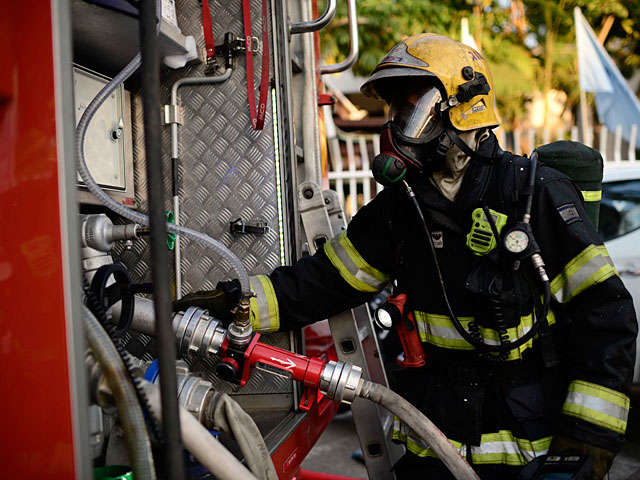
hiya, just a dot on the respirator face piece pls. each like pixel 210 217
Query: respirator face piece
pixel 412 137
pixel 414 117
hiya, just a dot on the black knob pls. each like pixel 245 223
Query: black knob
pixel 227 369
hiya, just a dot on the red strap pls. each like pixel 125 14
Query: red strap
pixel 207 29
pixel 257 118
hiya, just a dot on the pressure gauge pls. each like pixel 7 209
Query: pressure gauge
pixel 516 241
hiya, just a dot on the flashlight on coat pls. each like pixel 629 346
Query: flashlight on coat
pixel 392 314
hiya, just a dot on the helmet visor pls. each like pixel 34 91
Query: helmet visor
pixel 414 117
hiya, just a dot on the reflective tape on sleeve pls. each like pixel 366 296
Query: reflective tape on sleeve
pixel 264 314
pixel 591 266
pixel 592 195
pixel 598 405
pixel 505 449
pixel 352 267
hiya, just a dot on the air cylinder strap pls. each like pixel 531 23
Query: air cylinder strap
pixel 207 29
pixel 257 117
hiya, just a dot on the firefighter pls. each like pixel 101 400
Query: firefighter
pixel 566 389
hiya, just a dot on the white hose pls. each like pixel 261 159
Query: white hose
pixel 420 424
pixel 202 445
pixel 137 217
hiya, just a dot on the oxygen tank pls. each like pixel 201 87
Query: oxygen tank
pixel 583 164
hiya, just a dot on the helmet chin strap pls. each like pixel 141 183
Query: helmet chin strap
pixel 455 138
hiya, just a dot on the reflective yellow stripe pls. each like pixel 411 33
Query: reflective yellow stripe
pixel 264 314
pixel 438 330
pixel 501 448
pixel 597 404
pixel 506 449
pixel 352 267
pixel 415 444
pixel 590 267
pixel 592 195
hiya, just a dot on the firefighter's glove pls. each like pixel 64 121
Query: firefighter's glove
pixel 219 302
pixel 602 458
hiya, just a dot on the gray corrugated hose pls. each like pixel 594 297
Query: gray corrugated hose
pixel 224 414
pixel 137 439
pixel 421 425
pixel 202 445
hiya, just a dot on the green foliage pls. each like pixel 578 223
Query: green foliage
pixel 515 74
pixel 517 59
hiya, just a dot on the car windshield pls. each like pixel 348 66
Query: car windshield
pixel 619 208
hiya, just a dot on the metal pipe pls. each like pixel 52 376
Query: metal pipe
pixel 150 80
pixel 353 44
pixel 316 24
pixel 310 133
pixel 175 152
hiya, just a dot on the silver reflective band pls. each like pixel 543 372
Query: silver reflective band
pixel 495 448
pixel 352 267
pixel 596 410
pixel 265 314
pixel 590 267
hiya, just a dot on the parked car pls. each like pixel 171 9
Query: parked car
pixel 620 230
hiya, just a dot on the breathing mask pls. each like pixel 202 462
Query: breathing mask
pixel 414 137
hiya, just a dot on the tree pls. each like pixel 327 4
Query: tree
pixel 552 27
pixel 530 45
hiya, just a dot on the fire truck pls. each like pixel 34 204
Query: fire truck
pixel 152 149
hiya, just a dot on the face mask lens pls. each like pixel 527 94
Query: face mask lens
pixel 414 116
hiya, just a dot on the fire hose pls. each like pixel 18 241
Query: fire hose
pixel 200 335
pixel 197 439
pixel 138 444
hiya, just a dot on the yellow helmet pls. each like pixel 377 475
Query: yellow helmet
pixel 458 68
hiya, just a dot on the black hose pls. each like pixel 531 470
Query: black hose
pixel 150 80
pixel 478 345
pixel 532 182
pixel 98 310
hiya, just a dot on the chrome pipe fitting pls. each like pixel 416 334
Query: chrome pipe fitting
pixel 197 333
pixel 193 391
pixel 340 381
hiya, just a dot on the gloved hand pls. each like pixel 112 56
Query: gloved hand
pixel 602 458
pixel 219 302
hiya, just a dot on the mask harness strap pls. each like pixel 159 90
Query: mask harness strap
pixel 468 90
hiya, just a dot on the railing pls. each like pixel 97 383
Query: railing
pixel 350 156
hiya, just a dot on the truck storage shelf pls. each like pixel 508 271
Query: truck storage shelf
pixel 105 39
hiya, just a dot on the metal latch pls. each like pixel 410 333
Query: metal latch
pixel 239 226
pixel 233 46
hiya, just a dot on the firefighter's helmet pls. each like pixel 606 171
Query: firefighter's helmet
pixel 454 66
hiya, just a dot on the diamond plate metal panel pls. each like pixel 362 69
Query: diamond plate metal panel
pixel 227 171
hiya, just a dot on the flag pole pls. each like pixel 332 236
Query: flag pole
pixel 586 136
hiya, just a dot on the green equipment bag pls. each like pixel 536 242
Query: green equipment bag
pixel 583 164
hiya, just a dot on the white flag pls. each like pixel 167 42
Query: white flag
pixel 616 103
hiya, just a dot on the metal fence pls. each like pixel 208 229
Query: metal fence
pixel 350 156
